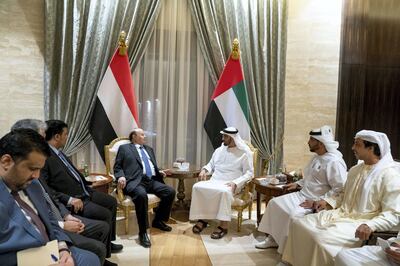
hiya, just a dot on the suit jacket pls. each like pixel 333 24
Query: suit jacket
pixel 61 207
pixel 62 182
pixel 16 232
pixel 128 164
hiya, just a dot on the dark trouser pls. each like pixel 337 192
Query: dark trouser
pixel 84 258
pixel 102 207
pixel 95 229
pixel 89 244
pixel 139 198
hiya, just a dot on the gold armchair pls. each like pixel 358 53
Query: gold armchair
pixel 124 202
pixel 393 232
pixel 244 199
pixel 371 241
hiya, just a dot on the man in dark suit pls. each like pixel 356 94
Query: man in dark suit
pixel 26 220
pixel 71 188
pixel 137 173
pixel 85 233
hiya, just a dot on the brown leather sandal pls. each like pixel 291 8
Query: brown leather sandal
pixel 197 228
pixel 219 234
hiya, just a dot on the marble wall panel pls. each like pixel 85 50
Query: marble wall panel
pixel 311 74
pixel 21 64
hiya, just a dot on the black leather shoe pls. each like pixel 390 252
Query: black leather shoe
pixel 109 263
pixel 116 248
pixel 144 240
pixel 161 225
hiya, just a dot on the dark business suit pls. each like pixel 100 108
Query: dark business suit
pixel 97 205
pixel 128 164
pixel 17 233
pixel 95 236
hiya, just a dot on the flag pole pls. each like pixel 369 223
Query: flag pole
pixel 235 54
pixel 122 43
pixel 229 104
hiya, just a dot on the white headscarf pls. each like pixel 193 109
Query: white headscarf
pixel 379 138
pixel 240 143
pixel 325 135
pixel 386 160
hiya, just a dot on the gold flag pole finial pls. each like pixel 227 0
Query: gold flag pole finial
pixel 122 43
pixel 235 50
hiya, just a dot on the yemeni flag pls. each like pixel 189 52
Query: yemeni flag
pixel 229 105
pixel 115 113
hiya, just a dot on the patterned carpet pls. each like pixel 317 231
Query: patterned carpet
pixel 238 248
pixel 233 249
pixel 133 253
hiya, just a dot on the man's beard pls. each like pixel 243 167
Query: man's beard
pixel 312 148
pixel 24 185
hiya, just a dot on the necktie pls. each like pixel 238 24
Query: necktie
pixel 145 162
pixel 63 158
pixel 53 207
pixel 35 218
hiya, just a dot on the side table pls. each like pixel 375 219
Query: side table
pixel 181 175
pixel 269 191
pixel 99 185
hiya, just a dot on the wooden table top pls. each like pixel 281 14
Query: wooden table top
pixel 97 183
pixel 258 182
pixel 192 172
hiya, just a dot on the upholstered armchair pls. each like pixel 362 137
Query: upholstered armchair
pixel 393 232
pixel 124 202
pixel 383 234
pixel 244 199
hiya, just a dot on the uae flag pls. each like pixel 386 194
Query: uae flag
pixel 115 113
pixel 229 105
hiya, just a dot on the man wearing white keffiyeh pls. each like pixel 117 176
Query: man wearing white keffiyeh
pixel 323 178
pixel 231 166
pixel 370 202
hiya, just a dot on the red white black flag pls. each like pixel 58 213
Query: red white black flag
pixel 115 113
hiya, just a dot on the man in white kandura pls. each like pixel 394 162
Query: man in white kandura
pixel 231 167
pixel 370 202
pixel 324 178
pixel 370 255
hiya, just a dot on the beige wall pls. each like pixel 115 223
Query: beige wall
pixel 312 64
pixel 311 74
pixel 21 64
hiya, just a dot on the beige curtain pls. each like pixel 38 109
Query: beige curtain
pixel 260 26
pixel 173 88
pixel 80 38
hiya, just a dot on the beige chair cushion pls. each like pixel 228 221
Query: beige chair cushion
pixel 128 200
pixel 151 198
pixel 113 153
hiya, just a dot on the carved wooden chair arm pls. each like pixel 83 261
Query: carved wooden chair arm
pixel 248 187
pixel 120 194
pixel 381 234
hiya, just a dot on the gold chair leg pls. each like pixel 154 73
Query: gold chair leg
pixel 250 209
pixel 240 219
pixel 126 214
